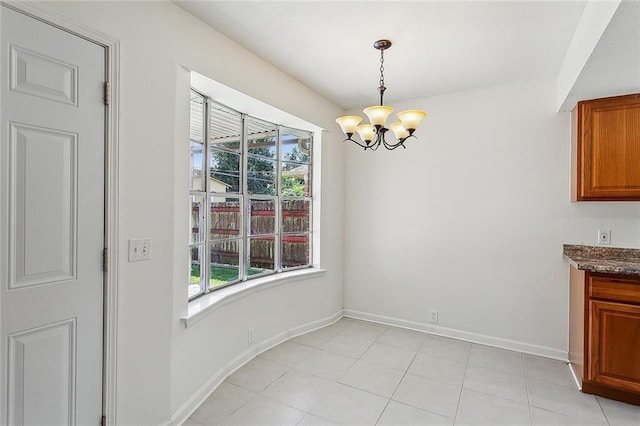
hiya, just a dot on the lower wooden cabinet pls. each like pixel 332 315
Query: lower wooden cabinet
pixel 604 334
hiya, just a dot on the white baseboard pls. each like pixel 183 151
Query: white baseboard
pixel 183 413
pixel 497 342
pixel 575 376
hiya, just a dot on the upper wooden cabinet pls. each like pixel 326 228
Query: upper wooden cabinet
pixel 606 149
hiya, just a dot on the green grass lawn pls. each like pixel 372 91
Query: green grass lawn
pixel 219 274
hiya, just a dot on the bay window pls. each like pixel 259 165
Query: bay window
pixel 250 197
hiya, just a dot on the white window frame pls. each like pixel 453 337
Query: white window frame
pixel 245 198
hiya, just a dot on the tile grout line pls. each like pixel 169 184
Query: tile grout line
pixel 526 387
pixel 604 413
pixel 466 368
pixel 401 379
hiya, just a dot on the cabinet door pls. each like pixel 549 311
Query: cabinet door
pixel 608 149
pixel 614 345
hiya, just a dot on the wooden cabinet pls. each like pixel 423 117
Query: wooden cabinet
pixel 606 149
pixel 604 334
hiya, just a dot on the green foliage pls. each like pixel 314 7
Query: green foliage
pixel 292 186
pixel 261 172
pixel 260 168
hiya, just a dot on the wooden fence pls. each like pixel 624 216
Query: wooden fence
pixel 225 229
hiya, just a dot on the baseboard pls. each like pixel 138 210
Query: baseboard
pixel 575 376
pixel 183 413
pixel 497 342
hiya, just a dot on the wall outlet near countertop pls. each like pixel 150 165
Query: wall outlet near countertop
pixel 604 237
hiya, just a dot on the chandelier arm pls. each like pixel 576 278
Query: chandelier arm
pixel 391 146
pixel 365 146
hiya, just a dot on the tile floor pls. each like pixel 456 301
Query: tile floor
pixel 360 373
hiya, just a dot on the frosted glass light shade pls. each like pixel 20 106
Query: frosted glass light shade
pixel 411 118
pixel 348 123
pixel 398 130
pixel 378 114
pixel 367 132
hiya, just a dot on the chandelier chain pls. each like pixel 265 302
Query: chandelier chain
pixel 382 68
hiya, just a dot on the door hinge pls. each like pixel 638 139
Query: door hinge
pixel 103 421
pixel 107 90
pixel 105 259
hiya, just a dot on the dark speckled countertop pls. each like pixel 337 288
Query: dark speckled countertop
pixel 606 260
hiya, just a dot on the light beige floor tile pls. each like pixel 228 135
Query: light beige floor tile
pixel 540 417
pixel 441 369
pixel 374 378
pixel 480 409
pixel 348 344
pixel 263 411
pixel 223 401
pixel 298 389
pixel 402 414
pixel 339 325
pixel 502 385
pixel 497 359
pixel 326 364
pixel 288 353
pixel 564 400
pixel 311 420
pixel 389 356
pixel 257 374
pixel 619 413
pixel 443 347
pixel 366 329
pixel 430 395
pixel 407 339
pixel 548 370
pixel 346 405
pixel 314 339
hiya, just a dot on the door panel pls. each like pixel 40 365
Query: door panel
pixel 42 371
pixel 51 224
pixel 40 75
pixel 43 179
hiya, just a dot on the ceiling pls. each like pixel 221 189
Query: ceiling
pixel 614 65
pixel 438 46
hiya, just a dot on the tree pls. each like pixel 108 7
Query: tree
pixel 294 185
pixel 261 170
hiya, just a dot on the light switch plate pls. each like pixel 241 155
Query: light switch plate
pixel 139 249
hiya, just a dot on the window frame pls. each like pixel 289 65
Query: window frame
pixel 245 199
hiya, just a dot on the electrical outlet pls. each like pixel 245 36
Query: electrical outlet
pixel 604 237
pixel 433 316
pixel 139 249
pixel 250 336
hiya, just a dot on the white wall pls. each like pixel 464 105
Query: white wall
pixel 160 363
pixel 470 220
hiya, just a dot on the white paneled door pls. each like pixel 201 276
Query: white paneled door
pixel 52 139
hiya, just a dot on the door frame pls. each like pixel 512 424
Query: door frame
pixel 111 47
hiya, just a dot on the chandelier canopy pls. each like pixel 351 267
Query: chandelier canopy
pixel 373 134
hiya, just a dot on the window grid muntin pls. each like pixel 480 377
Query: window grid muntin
pixel 244 240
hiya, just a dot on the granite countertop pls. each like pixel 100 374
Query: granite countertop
pixel 606 260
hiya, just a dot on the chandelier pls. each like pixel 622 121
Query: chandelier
pixel 373 134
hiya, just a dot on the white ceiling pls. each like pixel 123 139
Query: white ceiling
pixel 614 65
pixel 438 46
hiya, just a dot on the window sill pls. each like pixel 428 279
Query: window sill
pixel 202 306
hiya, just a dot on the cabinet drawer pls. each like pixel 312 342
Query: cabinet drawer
pixel 617 289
